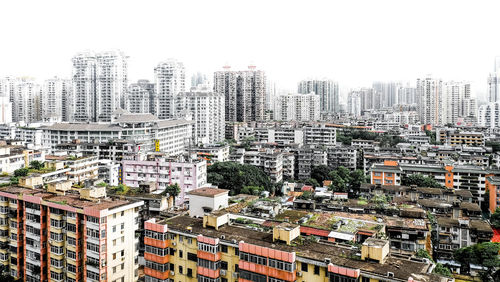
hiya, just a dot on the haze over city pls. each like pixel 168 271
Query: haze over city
pixel 352 42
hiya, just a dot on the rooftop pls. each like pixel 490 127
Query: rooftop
pixel 208 192
pixel 318 251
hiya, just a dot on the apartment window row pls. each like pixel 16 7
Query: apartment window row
pixel 56 223
pixel 340 278
pixel 33 230
pixel 93 247
pixel 56 263
pixel 56 275
pixel 57 250
pixel 272 279
pixel 207 279
pixel 208 248
pixel 33 217
pixel 287 266
pixel 158 266
pixel 255 277
pixel 158 251
pixel 153 279
pixel 156 235
pixel 253 258
pixel 93 233
pixel 208 264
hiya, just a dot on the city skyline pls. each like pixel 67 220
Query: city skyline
pixel 380 44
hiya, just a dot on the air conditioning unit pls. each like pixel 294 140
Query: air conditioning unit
pixel 172 272
pixel 223 272
pixel 390 274
pixel 299 274
pixel 222 237
pixel 235 275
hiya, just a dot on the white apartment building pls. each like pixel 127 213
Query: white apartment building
pixel 489 115
pixel 99 84
pixel 170 80
pixel 5 110
pixel 244 92
pixel 206 109
pixel 25 100
pixel 297 107
pixel 140 97
pixel 169 136
pixel 56 99
pixel 327 90
pixel 431 102
pixel 459 103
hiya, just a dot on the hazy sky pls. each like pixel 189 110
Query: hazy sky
pixel 354 42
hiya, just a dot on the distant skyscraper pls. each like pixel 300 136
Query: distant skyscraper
pixel 489 115
pixel 406 95
pixel 198 79
pixel 6 91
pixel 327 90
pixel 99 84
pixel 494 82
pixel 297 107
pixel 56 99
pixel 387 93
pixel 170 79
pixel 244 92
pixel 26 101
pixel 431 102
pixel 140 97
pixel 361 100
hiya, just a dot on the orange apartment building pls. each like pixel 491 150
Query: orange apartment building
pixel 472 178
pixel 64 235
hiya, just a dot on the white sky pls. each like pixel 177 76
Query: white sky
pixel 354 42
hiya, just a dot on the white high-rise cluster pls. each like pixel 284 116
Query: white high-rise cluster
pixel 441 102
pixel 297 107
pixel 99 84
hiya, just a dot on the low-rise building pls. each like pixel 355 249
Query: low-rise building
pixel 188 173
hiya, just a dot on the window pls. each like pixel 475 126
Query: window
pixel 192 257
pixel 283 265
pixel 71 268
pixel 93 219
pixel 223 265
pixel 207 247
pixel 92 247
pixel 123 226
pixel 180 269
pixel 223 248
pixel 71 254
pixel 56 250
pixel 190 272
pixel 303 267
pixel 253 258
pixel 71 227
pixel 114 228
pixel 252 276
pixel 181 253
pixel 208 264
pixel 316 270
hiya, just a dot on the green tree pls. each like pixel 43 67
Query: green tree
pixel 252 190
pixel 307 195
pixel 420 180
pixel 320 173
pixel 313 182
pixel 482 254
pixel 442 270
pixel 357 178
pixel 338 183
pixel 36 165
pixel 234 176
pixel 173 190
pixel 21 172
pixel 423 253
pixel 495 219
